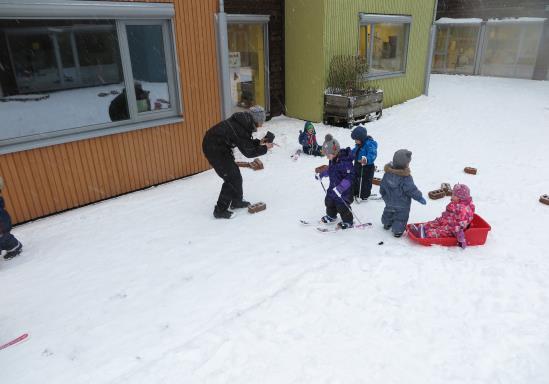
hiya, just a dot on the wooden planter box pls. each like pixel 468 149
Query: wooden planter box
pixel 352 109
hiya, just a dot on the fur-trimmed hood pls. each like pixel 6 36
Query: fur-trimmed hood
pixel 396 171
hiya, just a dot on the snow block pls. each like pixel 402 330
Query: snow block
pixel 257 207
pixel 544 199
pixel 470 170
pixel 437 194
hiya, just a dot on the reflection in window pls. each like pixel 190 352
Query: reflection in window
pixel 148 66
pixel 247 64
pixel 64 76
pixel 384 46
pixel 455 49
pixel 57 75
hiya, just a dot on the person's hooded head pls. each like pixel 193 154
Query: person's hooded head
pixel 359 133
pixel 331 147
pixel 402 158
pixel 258 115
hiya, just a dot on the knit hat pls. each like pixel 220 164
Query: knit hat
pixel 309 127
pixel 402 158
pixel 330 146
pixel 359 133
pixel 258 114
pixel 461 191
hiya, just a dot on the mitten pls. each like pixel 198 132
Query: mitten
pixel 461 239
pixel 422 200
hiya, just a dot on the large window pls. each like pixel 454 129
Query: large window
pixel 67 78
pixel 384 43
pixel 455 49
pixel 511 49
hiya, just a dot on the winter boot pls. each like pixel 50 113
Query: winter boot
pixel 11 253
pixel 387 227
pixel 328 219
pixel 240 204
pixel 343 225
pixel 397 234
pixel 219 214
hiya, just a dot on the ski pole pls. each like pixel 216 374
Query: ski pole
pixel 349 208
pixel 360 187
pixel 321 183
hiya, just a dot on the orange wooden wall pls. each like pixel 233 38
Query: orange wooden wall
pixel 51 179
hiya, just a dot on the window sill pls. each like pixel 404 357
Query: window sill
pixel 66 138
pixel 384 76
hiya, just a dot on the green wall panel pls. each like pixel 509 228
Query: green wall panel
pixel 336 23
pixel 304 57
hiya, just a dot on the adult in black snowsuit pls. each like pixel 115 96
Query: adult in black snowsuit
pixel 218 144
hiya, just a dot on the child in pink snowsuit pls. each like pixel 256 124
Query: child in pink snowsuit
pixel 457 217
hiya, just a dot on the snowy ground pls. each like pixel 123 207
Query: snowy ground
pixel 149 288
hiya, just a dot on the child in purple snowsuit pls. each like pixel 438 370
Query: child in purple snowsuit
pixel 397 189
pixel 9 245
pixel 340 192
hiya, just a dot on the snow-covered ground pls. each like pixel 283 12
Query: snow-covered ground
pixel 150 288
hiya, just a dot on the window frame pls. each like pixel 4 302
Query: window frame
pixel 365 20
pixel 123 14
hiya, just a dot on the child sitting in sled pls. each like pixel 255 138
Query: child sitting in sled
pixel 340 192
pixel 453 221
pixel 307 138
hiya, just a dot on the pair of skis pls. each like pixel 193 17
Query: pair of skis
pixel 328 228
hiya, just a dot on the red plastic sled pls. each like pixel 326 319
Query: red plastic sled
pixel 475 235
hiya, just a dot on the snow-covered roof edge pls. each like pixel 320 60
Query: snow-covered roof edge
pixel 447 20
pixel 518 20
pixel 509 20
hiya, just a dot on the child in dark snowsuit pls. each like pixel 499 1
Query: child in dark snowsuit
pixel 340 192
pixel 307 138
pixel 9 245
pixel 364 155
pixel 397 190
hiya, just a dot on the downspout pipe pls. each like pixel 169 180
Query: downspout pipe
pixel 223 60
pixel 430 50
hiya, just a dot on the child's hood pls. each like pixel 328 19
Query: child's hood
pixel 397 171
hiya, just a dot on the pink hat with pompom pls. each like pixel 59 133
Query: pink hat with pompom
pixel 461 191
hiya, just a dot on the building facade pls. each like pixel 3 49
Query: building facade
pixel 99 98
pixel 392 35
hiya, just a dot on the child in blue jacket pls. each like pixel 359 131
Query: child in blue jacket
pixel 364 155
pixel 340 192
pixel 397 189
pixel 9 245
pixel 307 138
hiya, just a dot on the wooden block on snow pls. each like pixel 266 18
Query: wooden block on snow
pixel 257 207
pixel 376 181
pixel 544 199
pixel 447 188
pixel 437 194
pixel 470 170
